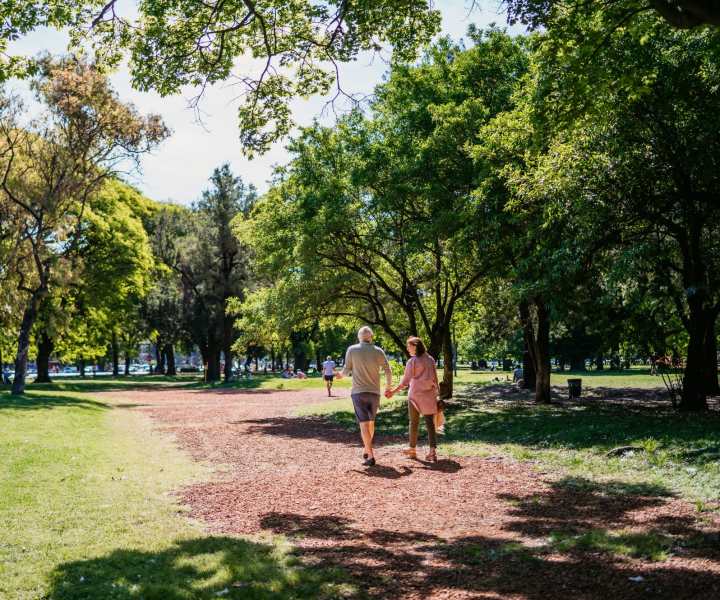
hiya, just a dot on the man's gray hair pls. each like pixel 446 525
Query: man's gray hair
pixel 365 334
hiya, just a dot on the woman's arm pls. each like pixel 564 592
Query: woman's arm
pixel 407 376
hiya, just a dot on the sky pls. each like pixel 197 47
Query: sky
pixel 178 170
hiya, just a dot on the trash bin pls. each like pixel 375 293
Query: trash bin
pixel 574 388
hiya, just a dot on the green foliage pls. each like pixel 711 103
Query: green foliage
pixel 54 171
pixel 294 48
pixel 374 219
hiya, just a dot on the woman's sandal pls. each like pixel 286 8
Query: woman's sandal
pixel 431 456
pixel 410 452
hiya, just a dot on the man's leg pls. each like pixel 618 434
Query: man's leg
pixel 367 431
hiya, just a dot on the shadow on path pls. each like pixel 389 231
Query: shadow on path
pixel 557 545
pixel 312 428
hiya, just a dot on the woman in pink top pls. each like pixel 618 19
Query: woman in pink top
pixel 421 377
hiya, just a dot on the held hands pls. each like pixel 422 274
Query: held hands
pixel 389 392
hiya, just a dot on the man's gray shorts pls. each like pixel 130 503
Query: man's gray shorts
pixel 365 405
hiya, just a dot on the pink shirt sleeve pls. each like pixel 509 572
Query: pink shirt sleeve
pixel 408 375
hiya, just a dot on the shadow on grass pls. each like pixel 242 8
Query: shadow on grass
pixel 211 567
pixel 502 415
pixel 37 401
pixel 565 542
pixel 607 373
pixel 106 383
pixel 593 424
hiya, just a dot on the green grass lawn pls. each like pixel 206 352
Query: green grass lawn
pixel 635 378
pixel 86 511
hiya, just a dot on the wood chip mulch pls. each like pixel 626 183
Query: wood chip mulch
pixel 460 528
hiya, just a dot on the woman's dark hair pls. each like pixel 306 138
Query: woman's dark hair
pixel 418 343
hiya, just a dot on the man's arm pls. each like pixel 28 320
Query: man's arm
pixel 388 372
pixel 347 367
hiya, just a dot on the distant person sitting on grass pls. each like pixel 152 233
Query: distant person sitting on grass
pixel 300 374
pixel 364 361
pixel 328 371
pixel 287 373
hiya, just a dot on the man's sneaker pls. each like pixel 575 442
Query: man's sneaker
pixel 369 462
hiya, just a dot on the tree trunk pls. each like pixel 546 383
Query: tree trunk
pixel 127 364
pixel 529 372
pixel 23 348
pixel 213 363
pixel 529 376
pixel 115 354
pixel 159 358
pixel 272 359
pixel 45 347
pixel 694 396
pixel 542 364
pixel 577 363
pixel 538 330
pixel 82 367
pixel 171 370
pixel 228 370
pixel 299 359
pixel 447 386
pixel 712 386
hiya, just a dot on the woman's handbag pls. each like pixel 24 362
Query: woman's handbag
pixel 439 417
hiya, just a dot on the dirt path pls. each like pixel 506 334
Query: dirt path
pixel 463 528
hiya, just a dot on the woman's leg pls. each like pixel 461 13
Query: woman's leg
pixel 414 424
pixel 430 424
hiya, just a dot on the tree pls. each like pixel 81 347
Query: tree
pixel 83 315
pixel 641 157
pixel 375 219
pixel 212 265
pixel 51 166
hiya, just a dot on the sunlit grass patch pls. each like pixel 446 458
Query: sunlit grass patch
pixel 648 545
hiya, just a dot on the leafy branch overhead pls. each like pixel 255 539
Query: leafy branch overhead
pixel 273 51
pixel 684 14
